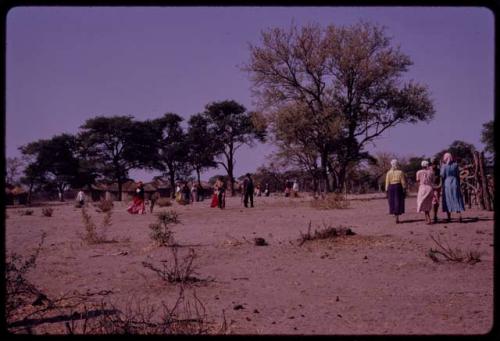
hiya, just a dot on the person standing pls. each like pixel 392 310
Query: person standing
pixel 194 191
pixel 295 189
pixel 137 206
pixel 395 186
pixel 80 198
pixel 425 179
pixel 452 196
pixel 248 189
pixel 221 198
pixel 436 192
pixel 266 190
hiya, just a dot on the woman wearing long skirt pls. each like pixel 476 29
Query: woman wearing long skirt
pixel 425 179
pixel 395 185
pixel 452 196
pixel 137 206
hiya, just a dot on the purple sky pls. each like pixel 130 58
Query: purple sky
pixel 65 65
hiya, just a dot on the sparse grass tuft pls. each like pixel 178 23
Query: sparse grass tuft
pixel 26 212
pixel 47 211
pixel 330 201
pixel 325 233
pixel 163 202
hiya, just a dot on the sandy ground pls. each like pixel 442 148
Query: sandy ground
pixel 379 281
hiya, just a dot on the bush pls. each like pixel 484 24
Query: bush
pixel 163 202
pixel 47 211
pixel 92 236
pixel 452 254
pixel 105 205
pixel 326 233
pixel 160 231
pixel 176 271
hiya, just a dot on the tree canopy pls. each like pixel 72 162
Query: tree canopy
pixel 346 80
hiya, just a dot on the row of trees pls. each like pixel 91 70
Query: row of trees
pixel 109 148
pixel 323 95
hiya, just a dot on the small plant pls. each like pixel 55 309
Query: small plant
pixel 176 271
pixel 163 202
pixel 325 233
pixel 160 231
pixel 47 211
pixel 26 212
pixel 330 201
pixel 260 241
pixel 452 254
pixel 92 236
pixel 105 205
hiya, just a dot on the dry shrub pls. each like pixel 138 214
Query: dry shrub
pixel 452 254
pixel 325 233
pixel 160 231
pixel 47 211
pixel 26 212
pixel 105 205
pixel 330 201
pixel 260 241
pixel 19 292
pixel 92 235
pixel 163 202
pixel 176 271
pixel 187 316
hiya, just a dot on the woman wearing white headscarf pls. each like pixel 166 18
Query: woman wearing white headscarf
pixel 425 179
pixel 395 185
pixel 452 196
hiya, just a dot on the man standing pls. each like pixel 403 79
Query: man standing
pixel 248 190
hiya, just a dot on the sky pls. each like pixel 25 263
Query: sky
pixel 65 65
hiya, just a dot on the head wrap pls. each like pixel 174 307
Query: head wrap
pixel 447 158
pixel 425 163
pixel 394 164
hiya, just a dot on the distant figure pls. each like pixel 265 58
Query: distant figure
pixel 178 194
pixel 295 189
pixel 152 200
pixel 425 179
pixel 395 185
pixel 248 189
pixel 436 193
pixel 200 195
pixel 215 196
pixel 221 197
pixel 194 192
pixel 186 194
pixel 80 198
pixel 137 206
pixel 257 191
pixel 452 196
pixel 266 190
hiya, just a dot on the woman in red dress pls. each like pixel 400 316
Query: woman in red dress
pixel 137 206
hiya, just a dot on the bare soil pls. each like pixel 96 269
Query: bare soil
pixel 379 281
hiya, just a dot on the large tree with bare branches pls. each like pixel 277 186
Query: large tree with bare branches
pixel 346 80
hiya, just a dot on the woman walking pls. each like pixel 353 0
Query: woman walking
pixel 452 196
pixel 137 206
pixel 395 185
pixel 425 179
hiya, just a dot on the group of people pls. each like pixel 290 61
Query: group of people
pixel 292 188
pixel 437 181
pixel 185 194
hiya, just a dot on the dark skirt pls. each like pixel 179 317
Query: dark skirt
pixel 396 197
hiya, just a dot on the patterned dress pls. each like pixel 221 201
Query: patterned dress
pixel 425 177
pixel 452 196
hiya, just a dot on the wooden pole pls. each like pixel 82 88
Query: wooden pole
pixel 477 176
pixel 484 183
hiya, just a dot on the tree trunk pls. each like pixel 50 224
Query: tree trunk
pixel 198 176
pixel 171 177
pixel 231 177
pixel 120 186
pixel 484 183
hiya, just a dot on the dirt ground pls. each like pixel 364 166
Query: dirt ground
pixel 379 281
